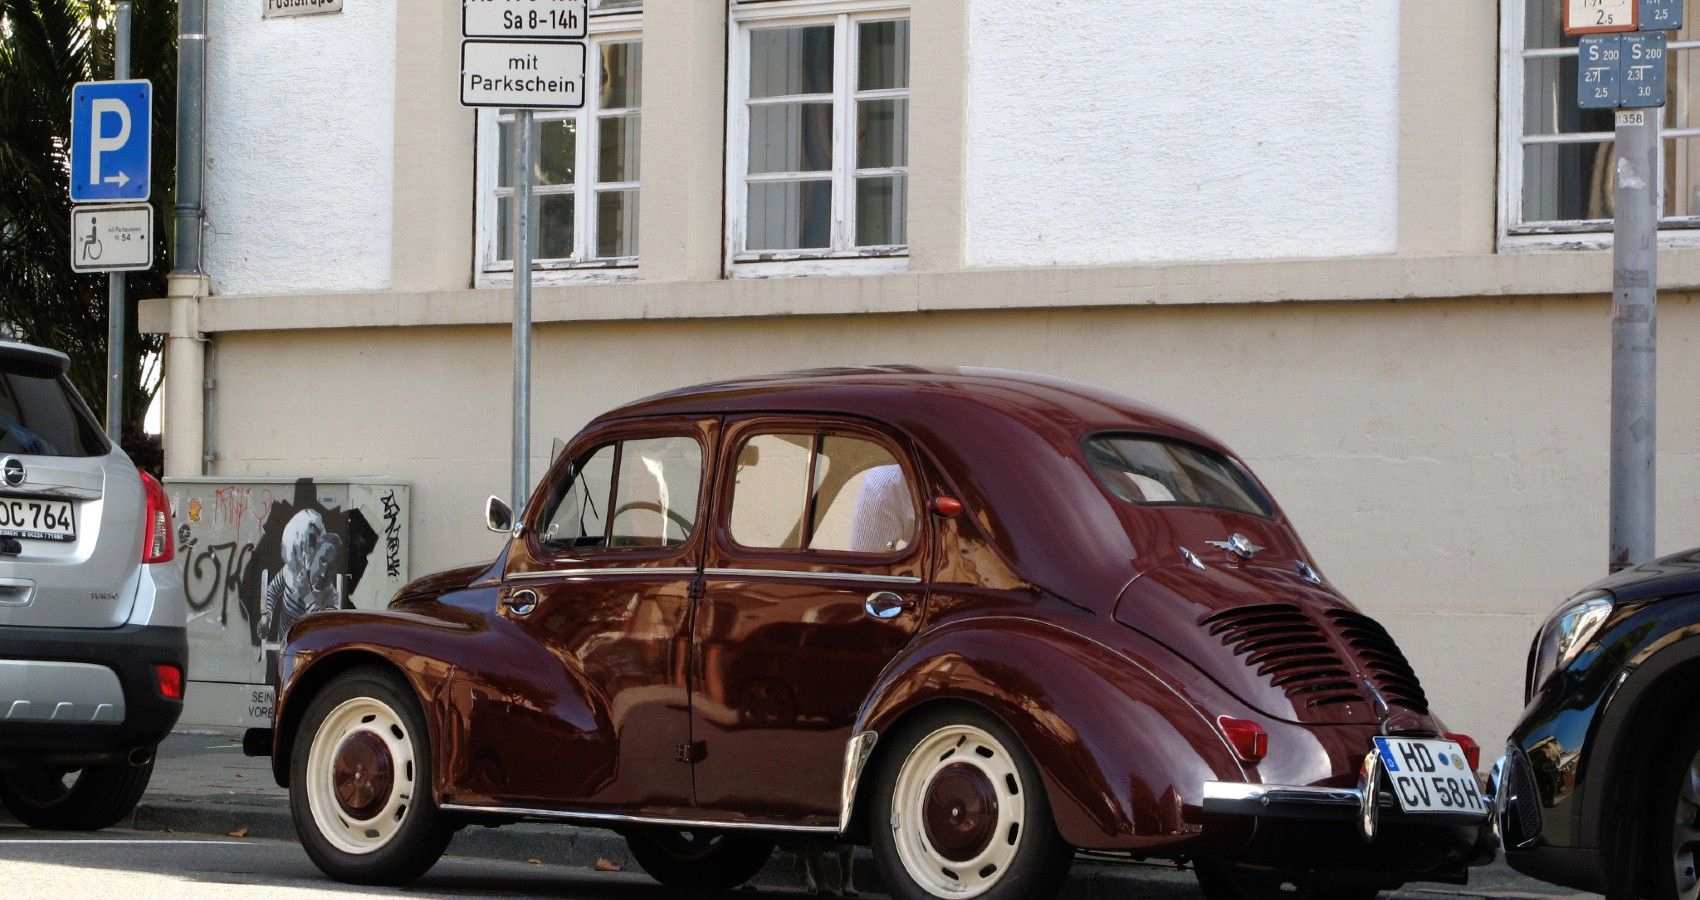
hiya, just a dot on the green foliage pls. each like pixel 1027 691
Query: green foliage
pixel 46 47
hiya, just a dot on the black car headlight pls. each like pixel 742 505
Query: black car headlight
pixel 1566 632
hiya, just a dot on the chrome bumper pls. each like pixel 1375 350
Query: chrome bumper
pixel 1365 804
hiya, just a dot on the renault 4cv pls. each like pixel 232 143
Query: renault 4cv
pixel 981 621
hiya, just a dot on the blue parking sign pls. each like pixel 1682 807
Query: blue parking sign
pixel 111 141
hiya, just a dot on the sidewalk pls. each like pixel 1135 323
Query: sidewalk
pixel 203 784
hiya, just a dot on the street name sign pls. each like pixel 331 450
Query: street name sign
pixel 277 9
pixel 111 238
pixel 525 19
pixel 1600 16
pixel 1661 15
pixel 111 141
pixel 523 74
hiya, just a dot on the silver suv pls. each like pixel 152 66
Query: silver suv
pixel 93 645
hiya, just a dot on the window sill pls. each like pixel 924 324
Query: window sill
pixel 1561 239
pixel 611 272
pixel 784 264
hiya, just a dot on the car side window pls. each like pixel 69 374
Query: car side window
pixel 636 493
pixel 832 493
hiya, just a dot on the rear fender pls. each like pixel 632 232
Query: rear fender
pixel 1121 751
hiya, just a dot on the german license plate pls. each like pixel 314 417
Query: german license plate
pixel 39 520
pixel 1430 776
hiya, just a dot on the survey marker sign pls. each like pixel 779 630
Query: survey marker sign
pixel 111 141
pixel 523 74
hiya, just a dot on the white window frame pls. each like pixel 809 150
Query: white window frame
pixel 613 26
pixel 1514 234
pixel 843 257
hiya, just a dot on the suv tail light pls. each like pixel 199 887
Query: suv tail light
pixel 170 681
pixel 1472 750
pixel 156 524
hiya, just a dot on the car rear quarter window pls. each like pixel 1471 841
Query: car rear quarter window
pixel 41 415
pixel 1154 471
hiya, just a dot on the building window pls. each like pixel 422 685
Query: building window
pixel 1557 160
pixel 585 165
pixel 818 136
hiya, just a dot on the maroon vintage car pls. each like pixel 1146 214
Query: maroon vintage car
pixel 979 620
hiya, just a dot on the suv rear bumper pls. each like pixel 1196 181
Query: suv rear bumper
pixel 129 653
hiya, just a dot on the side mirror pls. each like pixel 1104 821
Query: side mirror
pixel 498 517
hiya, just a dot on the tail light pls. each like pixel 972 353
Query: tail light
pixel 1249 740
pixel 170 681
pixel 156 523
pixel 1472 750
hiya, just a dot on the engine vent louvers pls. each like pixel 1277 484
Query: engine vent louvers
pixel 1286 645
pixel 1375 649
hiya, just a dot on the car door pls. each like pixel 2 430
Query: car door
pixel 814 581
pixel 602 579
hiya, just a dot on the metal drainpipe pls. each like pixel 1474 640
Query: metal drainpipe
pixel 187 345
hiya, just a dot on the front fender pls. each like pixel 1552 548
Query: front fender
pixel 1122 750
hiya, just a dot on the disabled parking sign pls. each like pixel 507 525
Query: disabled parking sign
pixel 111 141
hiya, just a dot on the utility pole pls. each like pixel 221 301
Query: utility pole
pixel 524 145
pixel 115 324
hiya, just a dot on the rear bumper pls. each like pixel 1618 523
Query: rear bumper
pixel 104 665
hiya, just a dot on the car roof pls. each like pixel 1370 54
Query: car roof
pixel 31 355
pixel 893 393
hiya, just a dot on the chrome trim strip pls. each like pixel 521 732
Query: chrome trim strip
pixel 857 751
pixel 1282 801
pixel 618 819
pixel 546 574
pixel 824 576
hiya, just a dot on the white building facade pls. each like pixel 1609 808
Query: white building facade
pixel 1366 244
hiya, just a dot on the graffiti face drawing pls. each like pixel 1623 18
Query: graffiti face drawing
pixel 308 580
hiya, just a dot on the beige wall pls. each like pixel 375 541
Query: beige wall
pixel 1444 460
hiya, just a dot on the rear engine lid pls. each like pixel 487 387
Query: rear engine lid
pixel 1292 649
pixel 71 504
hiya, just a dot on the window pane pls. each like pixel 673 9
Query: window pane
pixel 882 204
pixel 622 75
pixel 1543 25
pixel 616 224
pixel 617 148
pixel 770 490
pixel 882 134
pixel 656 502
pixel 557 151
pixel 1682 177
pixel 791 137
pixel 1152 470
pixel 1549 100
pixel 581 511
pixel 555 227
pixel 1563 182
pixel 862 502
pixel 505 154
pixel 787 61
pixel 790 215
pixel 883 59
pixel 505 229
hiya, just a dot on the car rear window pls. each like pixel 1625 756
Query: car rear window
pixel 1157 471
pixel 41 415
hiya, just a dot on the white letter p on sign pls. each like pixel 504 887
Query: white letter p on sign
pixel 99 142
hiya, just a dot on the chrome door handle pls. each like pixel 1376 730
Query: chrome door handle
pixel 886 605
pixel 521 602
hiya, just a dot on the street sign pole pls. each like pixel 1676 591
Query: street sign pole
pixel 525 147
pixel 1634 331
pixel 115 324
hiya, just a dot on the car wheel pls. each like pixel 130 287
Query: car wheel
pixel 699 860
pixel 959 811
pixel 88 799
pixel 1230 881
pixel 1675 858
pixel 360 782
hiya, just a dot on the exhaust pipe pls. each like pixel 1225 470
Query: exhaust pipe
pixel 141 756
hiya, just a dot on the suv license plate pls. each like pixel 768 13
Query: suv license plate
pixel 1430 776
pixel 40 520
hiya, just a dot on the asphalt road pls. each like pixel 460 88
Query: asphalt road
pixel 169 867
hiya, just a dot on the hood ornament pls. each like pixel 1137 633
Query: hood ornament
pixel 1239 545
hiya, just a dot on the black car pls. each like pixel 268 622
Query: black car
pixel 1599 789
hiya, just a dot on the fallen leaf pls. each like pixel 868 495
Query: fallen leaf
pixel 240 832
pixel 605 865
pixel 240 775
pixel 535 862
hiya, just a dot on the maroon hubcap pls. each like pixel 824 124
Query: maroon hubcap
pixel 961 811
pixel 363 775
